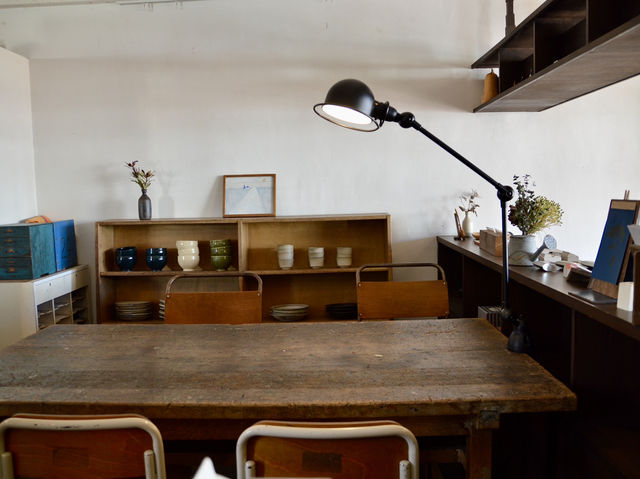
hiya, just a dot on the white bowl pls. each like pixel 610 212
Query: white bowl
pixel 186 244
pixel 316 250
pixel 285 247
pixel 188 262
pixel 343 261
pixel 188 251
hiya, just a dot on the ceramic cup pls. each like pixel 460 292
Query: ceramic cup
pixel 316 256
pixel 188 250
pixel 180 244
pixel 188 262
pixel 343 256
pixel 285 256
pixel 220 262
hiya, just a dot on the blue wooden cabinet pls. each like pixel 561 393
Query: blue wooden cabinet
pixel 27 251
pixel 64 239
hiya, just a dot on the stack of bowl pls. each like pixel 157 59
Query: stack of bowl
pixel 343 256
pixel 220 254
pixel 126 257
pixel 316 256
pixel 156 258
pixel 188 254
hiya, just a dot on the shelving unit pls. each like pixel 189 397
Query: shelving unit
pixel 32 305
pixel 254 242
pixel 563 50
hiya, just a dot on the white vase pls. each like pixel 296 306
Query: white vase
pixel 467 225
pixel 520 249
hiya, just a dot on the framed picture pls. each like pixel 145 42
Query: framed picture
pixel 249 195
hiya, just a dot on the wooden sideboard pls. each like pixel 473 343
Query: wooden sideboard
pixel 254 246
pixel 593 349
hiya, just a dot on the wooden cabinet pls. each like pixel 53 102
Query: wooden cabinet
pixel 563 50
pixel 26 251
pixel 28 306
pixel 254 242
pixel 591 348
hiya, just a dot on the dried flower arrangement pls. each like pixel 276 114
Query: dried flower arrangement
pixel 469 204
pixel 532 213
pixel 139 176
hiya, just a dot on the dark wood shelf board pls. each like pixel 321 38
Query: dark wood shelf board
pixel 610 59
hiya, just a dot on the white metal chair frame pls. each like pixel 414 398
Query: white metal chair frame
pixel 154 461
pixel 408 468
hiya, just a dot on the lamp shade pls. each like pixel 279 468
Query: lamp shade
pixel 349 103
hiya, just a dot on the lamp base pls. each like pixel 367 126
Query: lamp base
pixel 519 339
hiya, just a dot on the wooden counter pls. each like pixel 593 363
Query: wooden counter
pixel 438 377
pixel 591 348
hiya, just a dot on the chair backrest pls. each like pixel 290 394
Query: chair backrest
pixel 221 307
pixel 340 450
pixel 402 299
pixel 80 447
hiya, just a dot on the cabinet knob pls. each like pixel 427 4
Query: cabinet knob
pixel 11 269
pixel 9 240
pixel 11 250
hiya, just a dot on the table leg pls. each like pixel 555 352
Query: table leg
pixel 479 454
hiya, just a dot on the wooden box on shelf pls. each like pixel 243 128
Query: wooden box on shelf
pixel 254 247
pixel 491 242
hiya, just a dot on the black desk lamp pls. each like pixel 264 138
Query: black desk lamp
pixel 350 103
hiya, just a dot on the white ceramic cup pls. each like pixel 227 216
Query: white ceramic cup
pixel 316 256
pixel 285 256
pixel 343 256
pixel 186 244
pixel 188 262
pixel 188 251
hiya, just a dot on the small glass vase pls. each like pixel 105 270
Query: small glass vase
pixel 144 206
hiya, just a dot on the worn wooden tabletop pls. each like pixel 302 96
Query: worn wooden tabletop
pixel 294 370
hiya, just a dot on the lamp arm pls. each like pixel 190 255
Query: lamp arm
pixel 386 112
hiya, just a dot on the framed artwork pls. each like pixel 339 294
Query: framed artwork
pixel 249 195
pixel 612 261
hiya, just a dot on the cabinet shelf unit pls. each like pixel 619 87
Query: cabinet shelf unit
pixel 254 242
pixel 563 50
pixel 32 305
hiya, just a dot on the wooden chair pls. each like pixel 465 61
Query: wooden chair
pixel 80 447
pixel 340 450
pixel 402 299
pixel 222 307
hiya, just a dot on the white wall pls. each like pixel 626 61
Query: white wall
pixel 18 192
pixel 226 86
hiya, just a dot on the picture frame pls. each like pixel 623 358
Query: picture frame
pixel 612 263
pixel 249 195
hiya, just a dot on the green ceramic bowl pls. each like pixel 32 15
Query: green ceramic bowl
pixel 220 250
pixel 220 262
pixel 215 243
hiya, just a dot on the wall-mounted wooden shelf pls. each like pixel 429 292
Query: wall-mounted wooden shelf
pixel 563 50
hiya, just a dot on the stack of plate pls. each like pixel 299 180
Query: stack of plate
pixel 290 312
pixel 134 310
pixel 342 310
pixel 161 310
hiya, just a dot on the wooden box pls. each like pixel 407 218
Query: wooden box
pixel 491 242
pixel 26 251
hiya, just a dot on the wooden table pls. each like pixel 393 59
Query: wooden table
pixel 437 377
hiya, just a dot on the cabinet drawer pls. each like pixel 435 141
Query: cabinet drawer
pixel 12 241
pixel 79 279
pixel 13 231
pixel 15 268
pixel 19 249
pixel 52 288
